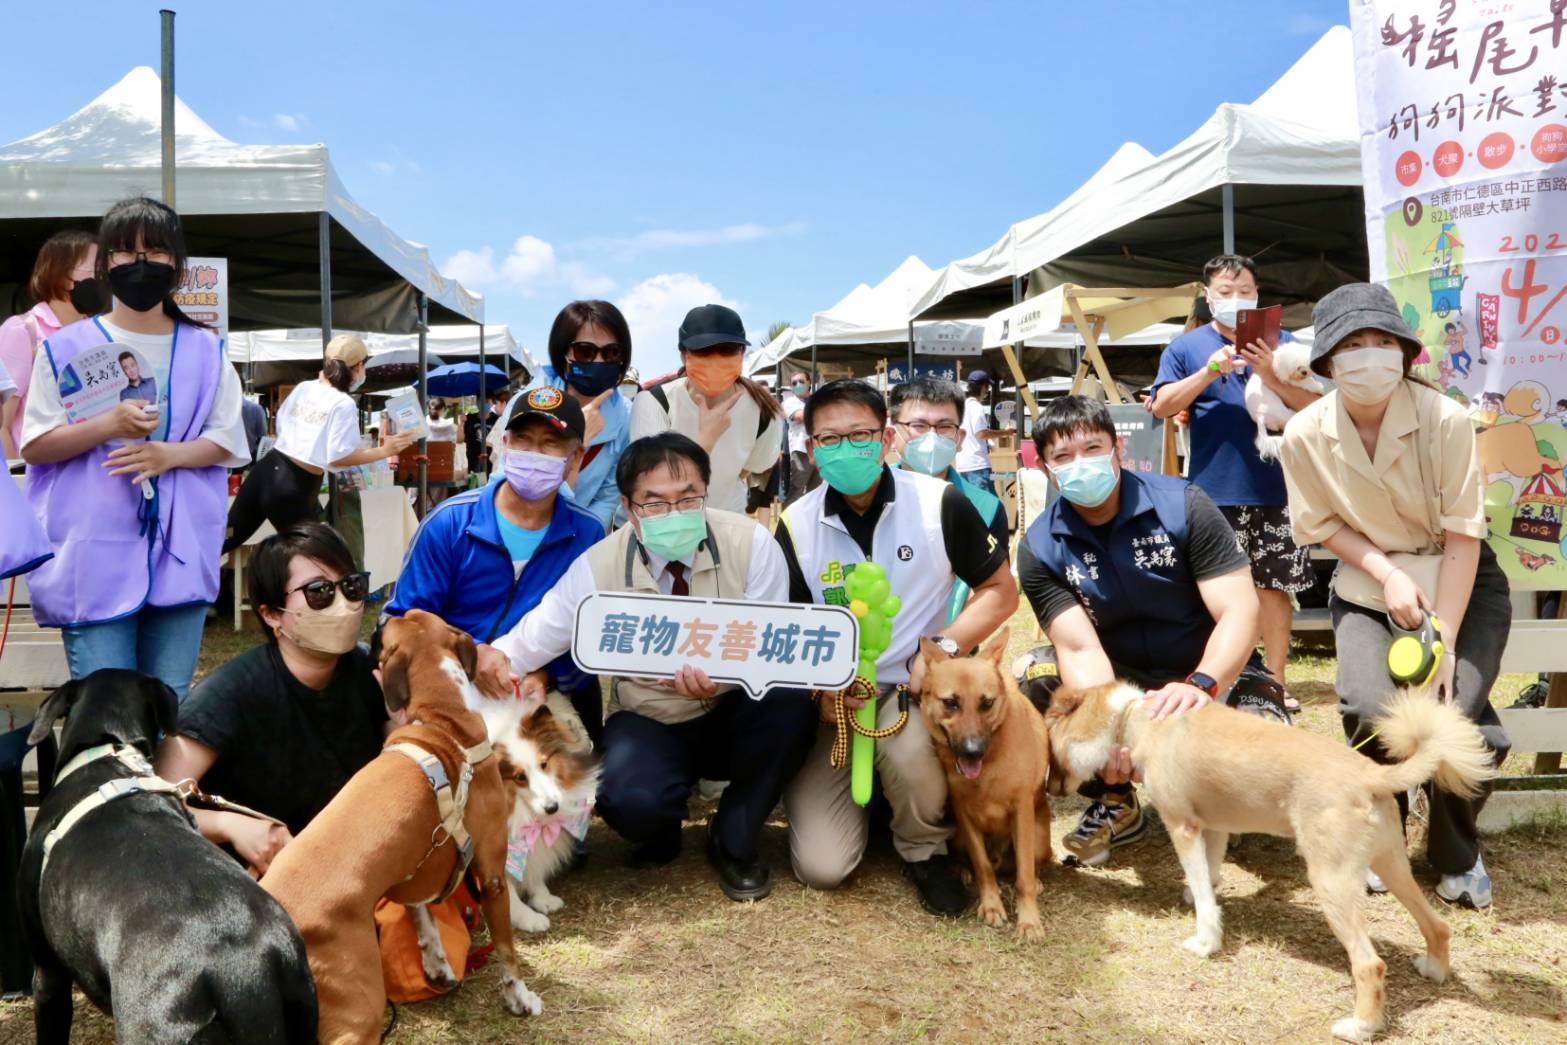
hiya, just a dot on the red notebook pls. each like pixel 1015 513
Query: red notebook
pixel 1258 324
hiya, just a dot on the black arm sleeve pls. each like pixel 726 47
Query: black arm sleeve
pixel 1210 542
pixel 799 591
pixel 973 550
pixel 1047 594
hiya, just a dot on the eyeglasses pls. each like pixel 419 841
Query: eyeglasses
pixel 654 509
pixel 945 429
pixel 588 352
pixel 129 257
pixel 828 440
pixel 318 593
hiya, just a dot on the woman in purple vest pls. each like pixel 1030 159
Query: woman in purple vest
pixel 134 499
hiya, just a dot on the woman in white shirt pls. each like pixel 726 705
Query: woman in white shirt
pixel 317 432
pixel 737 421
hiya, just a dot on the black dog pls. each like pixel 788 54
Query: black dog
pixel 157 925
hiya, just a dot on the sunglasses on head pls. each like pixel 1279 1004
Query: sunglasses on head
pixel 318 593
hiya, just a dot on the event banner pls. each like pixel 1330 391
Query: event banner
pixel 1463 129
pixel 203 294
pixel 757 645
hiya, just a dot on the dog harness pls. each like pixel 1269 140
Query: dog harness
pixel 449 804
pixel 145 782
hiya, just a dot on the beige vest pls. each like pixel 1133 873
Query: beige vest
pixel 722 564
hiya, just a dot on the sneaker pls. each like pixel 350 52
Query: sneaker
pixel 1374 883
pixel 1107 824
pixel 1470 889
pixel 1532 696
pixel 941 890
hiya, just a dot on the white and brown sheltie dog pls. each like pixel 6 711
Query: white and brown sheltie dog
pixel 548 766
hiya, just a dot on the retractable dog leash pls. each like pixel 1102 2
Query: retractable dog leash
pixel 1415 653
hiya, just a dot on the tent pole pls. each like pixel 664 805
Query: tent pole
pixel 814 379
pixel 424 400
pixel 167 42
pixel 1227 198
pixel 911 350
pixel 480 406
pixel 324 244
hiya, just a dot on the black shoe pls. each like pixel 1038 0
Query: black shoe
pixel 739 879
pixel 1532 696
pixel 656 852
pixel 941 890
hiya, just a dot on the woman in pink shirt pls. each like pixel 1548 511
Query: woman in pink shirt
pixel 63 285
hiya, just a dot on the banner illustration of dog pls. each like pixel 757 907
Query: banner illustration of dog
pixel 1463 129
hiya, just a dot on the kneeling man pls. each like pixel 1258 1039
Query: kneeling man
pixel 661 737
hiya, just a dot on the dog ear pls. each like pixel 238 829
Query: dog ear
pixel 1062 703
pixel 996 648
pixel 394 678
pixel 932 653
pixel 57 706
pixel 165 705
pixel 467 652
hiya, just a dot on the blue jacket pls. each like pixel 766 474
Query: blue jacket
pixel 459 569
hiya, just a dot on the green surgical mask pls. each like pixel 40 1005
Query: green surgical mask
pixel 849 468
pixel 674 535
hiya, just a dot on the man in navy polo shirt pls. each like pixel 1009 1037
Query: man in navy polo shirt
pixel 1205 372
pixel 484 558
pixel 1135 577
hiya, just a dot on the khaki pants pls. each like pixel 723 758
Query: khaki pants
pixel 827 831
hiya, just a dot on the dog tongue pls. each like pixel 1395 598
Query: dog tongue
pixel 970 767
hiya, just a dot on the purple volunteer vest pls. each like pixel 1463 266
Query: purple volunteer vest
pixel 25 546
pixel 114 550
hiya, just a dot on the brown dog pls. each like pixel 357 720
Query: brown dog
pixel 375 838
pixel 993 745
pixel 1216 771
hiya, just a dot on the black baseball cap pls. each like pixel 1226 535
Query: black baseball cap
pixel 709 325
pixel 555 406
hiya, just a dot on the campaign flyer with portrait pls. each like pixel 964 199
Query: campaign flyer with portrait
pixel 1463 128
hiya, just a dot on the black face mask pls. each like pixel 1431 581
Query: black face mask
pixel 592 378
pixel 142 285
pixel 87 296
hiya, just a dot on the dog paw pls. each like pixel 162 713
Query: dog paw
pixel 1031 930
pixel 991 911
pixel 438 972
pixel 1353 1029
pixel 526 919
pixel 520 1001
pixel 1201 946
pixel 547 903
pixel 1431 969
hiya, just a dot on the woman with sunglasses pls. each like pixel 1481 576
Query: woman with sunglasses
pixel 282 727
pixel 590 352
pixel 133 498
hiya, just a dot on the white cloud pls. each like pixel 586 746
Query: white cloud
pixel 654 309
pixel 528 267
pixel 397 163
pixel 471 268
pixel 382 166
pixel 1306 25
pixel 292 122
pixel 665 239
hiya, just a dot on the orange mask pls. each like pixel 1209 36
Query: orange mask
pixel 713 375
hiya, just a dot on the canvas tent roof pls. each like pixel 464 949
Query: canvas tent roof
pixel 257 205
pixel 281 356
pixel 1293 157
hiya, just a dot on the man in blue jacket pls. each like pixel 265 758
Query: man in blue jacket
pixel 484 558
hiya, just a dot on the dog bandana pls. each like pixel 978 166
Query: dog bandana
pixel 524 837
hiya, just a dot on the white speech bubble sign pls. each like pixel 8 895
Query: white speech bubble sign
pixel 756 645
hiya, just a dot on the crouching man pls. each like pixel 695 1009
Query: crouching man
pixel 661 737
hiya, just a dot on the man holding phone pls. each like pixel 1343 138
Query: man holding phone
pixel 1205 372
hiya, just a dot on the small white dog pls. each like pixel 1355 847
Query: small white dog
pixel 548 766
pixel 1292 365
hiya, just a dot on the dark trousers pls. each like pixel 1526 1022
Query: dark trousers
pixel 803 475
pixel 1362 638
pixel 588 702
pixel 650 767
pixel 277 491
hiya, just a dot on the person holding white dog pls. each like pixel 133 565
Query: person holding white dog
pixel 1384 473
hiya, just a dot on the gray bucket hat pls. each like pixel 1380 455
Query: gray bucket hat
pixel 1352 307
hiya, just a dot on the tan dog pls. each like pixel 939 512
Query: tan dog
pixel 375 838
pixel 993 745
pixel 1217 771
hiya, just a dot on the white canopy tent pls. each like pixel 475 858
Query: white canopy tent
pixel 279 213
pixel 281 356
pixel 1278 179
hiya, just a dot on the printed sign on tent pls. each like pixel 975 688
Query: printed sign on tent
pixel 756 645
pixel 203 294
pixel 948 338
pixel 898 373
pixel 1463 129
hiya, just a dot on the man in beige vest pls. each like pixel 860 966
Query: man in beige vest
pixel 661 737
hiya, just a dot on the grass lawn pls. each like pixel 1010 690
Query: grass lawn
pixel 663 956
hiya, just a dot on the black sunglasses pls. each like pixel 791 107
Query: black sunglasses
pixel 588 352
pixel 318 593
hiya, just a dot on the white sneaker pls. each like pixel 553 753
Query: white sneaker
pixel 1471 889
pixel 1374 883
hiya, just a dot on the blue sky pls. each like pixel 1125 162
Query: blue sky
pixel 769 156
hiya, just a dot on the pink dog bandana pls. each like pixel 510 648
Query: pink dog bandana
pixel 545 833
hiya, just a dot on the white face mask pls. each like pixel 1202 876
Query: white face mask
pixel 1224 309
pixel 1368 375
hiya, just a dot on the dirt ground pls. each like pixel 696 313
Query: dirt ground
pixel 663 956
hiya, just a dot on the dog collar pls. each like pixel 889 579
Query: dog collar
pixel 132 758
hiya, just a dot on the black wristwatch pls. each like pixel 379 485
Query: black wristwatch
pixel 1207 683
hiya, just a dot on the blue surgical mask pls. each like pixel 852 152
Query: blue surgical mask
pixel 930 453
pixel 1088 481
